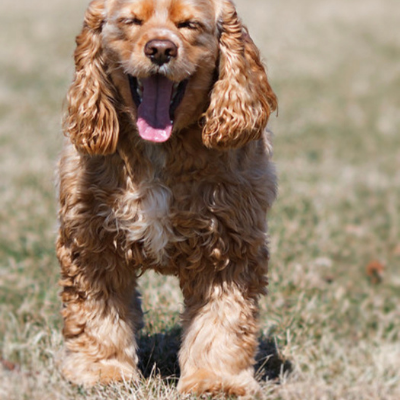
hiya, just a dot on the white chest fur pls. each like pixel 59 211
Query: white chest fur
pixel 143 211
pixel 150 204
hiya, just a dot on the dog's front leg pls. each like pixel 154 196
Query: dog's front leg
pixel 101 314
pixel 220 333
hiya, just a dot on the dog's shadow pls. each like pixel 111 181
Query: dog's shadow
pixel 158 354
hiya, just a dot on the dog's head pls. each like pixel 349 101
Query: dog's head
pixel 168 64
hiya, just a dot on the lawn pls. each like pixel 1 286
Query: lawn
pixel 330 326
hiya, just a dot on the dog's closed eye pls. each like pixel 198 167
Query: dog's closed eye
pixel 189 24
pixel 130 21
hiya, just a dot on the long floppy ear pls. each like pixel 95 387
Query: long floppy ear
pixel 92 120
pixel 241 99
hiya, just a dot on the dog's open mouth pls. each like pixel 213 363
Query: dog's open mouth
pixel 156 99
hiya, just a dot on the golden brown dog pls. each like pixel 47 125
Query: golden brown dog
pixel 166 167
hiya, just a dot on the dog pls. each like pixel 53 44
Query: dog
pixel 166 166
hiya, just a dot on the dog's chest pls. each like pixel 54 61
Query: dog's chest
pixel 149 205
pixel 143 212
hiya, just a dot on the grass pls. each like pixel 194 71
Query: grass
pixel 327 330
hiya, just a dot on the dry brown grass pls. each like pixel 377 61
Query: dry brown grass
pixel 335 67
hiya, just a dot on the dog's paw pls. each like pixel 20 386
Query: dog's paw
pixel 244 386
pixel 80 371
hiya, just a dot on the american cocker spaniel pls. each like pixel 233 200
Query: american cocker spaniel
pixel 166 166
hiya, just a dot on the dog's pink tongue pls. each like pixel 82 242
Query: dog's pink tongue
pixel 154 122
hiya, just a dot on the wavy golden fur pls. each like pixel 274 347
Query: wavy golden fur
pixel 166 166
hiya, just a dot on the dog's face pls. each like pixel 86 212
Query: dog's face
pixel 164 55
pixel 173 63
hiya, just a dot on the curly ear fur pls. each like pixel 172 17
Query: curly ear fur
pixel 92 121
pixel 242 99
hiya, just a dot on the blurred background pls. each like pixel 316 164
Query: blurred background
pixel 333 311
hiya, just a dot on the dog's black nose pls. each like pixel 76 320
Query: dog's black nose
pixel 160 51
